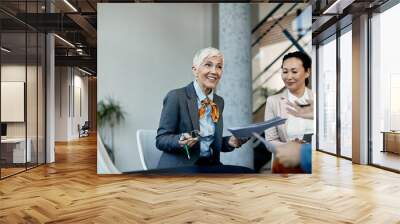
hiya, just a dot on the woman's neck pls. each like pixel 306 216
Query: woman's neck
pixel 205 90
pixel 299 92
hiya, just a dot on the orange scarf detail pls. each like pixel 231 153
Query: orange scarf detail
pixel 214 109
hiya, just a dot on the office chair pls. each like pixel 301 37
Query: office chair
pixel 148 153
pixel 84 130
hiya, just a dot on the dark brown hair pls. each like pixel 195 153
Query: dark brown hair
pixel 303 57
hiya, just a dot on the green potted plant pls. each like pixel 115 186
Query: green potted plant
pixel 109 115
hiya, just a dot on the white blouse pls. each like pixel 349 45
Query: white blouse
pixel 296 126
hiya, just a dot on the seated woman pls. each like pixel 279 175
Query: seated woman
pixel 195 107
pixel 295 103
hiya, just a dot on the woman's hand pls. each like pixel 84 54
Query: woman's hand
pixel 187 139
pixel 289 154
pixel 237 142
pixel 306 112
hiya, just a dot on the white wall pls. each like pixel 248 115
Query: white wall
pixel 68 81
pixel 145 50
pixel 61 103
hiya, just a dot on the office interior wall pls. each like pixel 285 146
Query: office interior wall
pixel 92 99
pixel 144 51
pixel 62 113
pixel 81 103
pixel 71 102
pixel 12 98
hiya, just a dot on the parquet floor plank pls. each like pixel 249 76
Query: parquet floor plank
pixel 70 191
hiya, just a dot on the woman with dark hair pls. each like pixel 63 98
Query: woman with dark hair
pixel 295 103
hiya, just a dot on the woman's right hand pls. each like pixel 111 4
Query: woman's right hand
pixel 296 110
pixel 187 139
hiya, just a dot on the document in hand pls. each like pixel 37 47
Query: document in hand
pixel 270 147
pixel 247 131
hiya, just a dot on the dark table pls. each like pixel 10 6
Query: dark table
pixel 217 169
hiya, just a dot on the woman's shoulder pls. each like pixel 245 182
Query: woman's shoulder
pixel 276 97
pixel 179 92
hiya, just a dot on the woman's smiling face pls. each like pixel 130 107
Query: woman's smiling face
pixel 209 72
pixel 294 74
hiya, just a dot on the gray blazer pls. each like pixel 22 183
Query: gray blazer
pixel 180 115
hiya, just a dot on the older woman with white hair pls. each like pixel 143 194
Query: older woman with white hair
pixel 191 123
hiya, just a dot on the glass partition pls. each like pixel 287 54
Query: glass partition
pixel 346 93
pixel 327 96
pixel 385 89
pixel 23 91
pixel 41 87
pixel 32 95
pixel 14 154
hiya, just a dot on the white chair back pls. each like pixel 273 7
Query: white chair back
pixel 148 152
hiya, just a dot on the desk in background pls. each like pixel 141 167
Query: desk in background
pixel 391 141
pixel 13 150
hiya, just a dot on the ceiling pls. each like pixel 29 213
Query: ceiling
pixel 331 15
pixel 77 25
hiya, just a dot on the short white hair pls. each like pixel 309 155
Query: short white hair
pixel 204 53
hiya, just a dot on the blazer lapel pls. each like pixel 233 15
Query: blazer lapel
pixel 218 129
pixel 282 105
pixel 192 106
pixel 193 111
pixel 218 126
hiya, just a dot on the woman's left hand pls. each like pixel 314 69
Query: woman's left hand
pixel 289 153
pixel 236 142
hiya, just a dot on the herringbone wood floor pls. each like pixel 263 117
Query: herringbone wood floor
pixel 70 191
